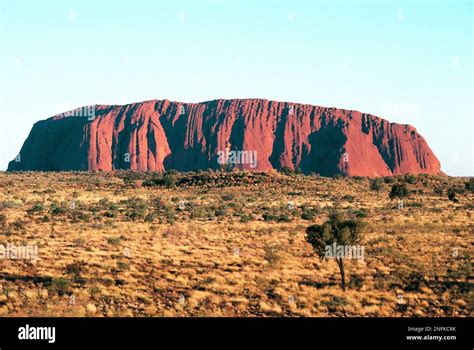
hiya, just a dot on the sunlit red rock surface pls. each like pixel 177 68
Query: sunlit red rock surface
pixel 160 135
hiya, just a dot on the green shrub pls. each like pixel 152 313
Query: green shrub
pixel 438 191
pixel 169 180
pixel 399 191
pixel 160 205
pixel 284 218
pixel 308 214
pixel 136 214
pixel 245 218
pixel 228 197
pixel 114 240
pixel 55 210
pixel 38 207
pixel 199 213
pixel 269 217
pixel 136 208
pixel 389 179
pixel 452 194
pixel 411 179
pixel 60 286
pixel 413 281
pixel 75 270
pixel 3 220
pixel 361 213
pixel 221 211
pixel 470 184
pixel 356 282
pixel 150 217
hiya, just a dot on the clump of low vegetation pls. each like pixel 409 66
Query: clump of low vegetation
pixel 376 184
pixel 452 195
pixel 399 190
pixel 470 184
pixel 272 255
pixel 137 208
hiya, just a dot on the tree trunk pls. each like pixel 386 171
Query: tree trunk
pixel 340 263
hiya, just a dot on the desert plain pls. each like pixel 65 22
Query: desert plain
pixel 207 243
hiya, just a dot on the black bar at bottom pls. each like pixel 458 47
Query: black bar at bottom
pixel 88 333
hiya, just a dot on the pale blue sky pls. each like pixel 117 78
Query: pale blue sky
pixel 409 62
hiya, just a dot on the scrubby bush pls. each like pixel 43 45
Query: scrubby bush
pixel 74 269
pixel 452 195
pixel 150 217
pixel 270 217
pixel 287 171
pixel 348 198
pixel 360 213
pixel 114 240
pixel 376 184
pixel 470 184
pixel 220 211
pixel 137 208
pixel 399 190
pixel 284 218
pixel 245 218
pixel 160 204
pixel 58 211
pixel 389 179
pixel 169 180
pixel 199 213
pixel 356 282
pixel 3 220
pixel 37 207
pixel 308 213
pixel 228 197
pixel 135 215
pixel 271 254
pixel 77 215
pixel 438 191
pixel 60 286
pixel 411 179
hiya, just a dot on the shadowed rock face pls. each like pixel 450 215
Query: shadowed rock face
pixel 161 135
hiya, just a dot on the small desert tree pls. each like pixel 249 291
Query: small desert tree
pixel 399 190
pixel 335 231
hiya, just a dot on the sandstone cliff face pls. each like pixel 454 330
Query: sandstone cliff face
pixel 161 135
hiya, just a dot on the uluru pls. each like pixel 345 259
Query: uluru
pixel 250 134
